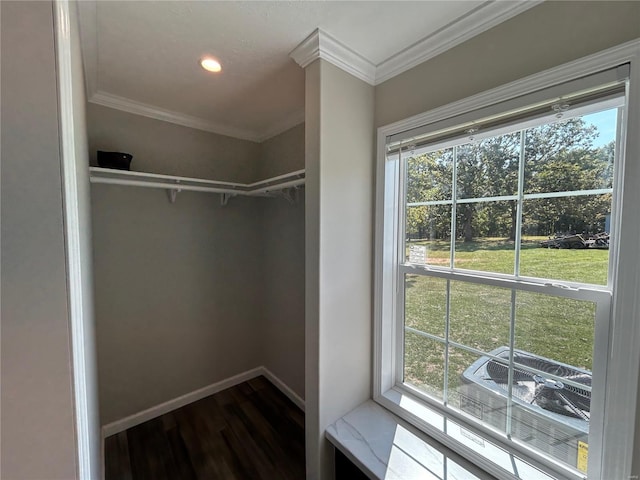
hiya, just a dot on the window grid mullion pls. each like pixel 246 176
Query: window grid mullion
pixel 400 254
pixel 454 194
pixel 526 196
pixel 593 293
pixel 446 344
pixel 452 248
pixel 518 245
pixel 504 361
pixel 512 325
pixel 520 205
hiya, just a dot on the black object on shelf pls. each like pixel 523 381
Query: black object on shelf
pixel 117 160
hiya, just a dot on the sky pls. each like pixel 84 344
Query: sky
pixel 605 122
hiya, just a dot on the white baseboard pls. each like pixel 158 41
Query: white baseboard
pixel 166 407
pixel 284 388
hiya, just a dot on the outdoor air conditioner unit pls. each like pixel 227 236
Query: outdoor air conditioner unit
pixel 547 414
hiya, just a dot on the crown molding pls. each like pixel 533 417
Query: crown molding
pixel 137 108
pixel 317 45
pixel 483 18
pixel 321 45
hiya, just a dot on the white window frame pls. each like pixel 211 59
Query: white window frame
pixel 611 448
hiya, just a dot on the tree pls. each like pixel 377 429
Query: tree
pixel 488 169
pixel 558 157
pixel 429 178
pixel 571 170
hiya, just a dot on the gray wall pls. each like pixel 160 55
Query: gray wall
pixel 37 399
pixel 282 238
pixel 281 154
pixel 545 36
pixel 167 148
pixel 178 294
pixel 178 286
pixel 339 230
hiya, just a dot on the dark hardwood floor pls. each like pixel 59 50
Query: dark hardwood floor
pixel 250 431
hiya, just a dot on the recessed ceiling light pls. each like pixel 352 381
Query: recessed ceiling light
pixel 210 64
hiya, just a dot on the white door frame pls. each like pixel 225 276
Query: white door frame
pixel 89 461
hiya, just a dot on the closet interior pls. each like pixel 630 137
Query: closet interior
pixel 198 264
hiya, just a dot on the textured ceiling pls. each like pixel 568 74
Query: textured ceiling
pixel 148 52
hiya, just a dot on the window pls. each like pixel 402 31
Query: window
pixel 498 270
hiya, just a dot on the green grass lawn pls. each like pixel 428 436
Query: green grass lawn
pixel 553 327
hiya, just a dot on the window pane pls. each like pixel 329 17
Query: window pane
pixel 479 315
pixel 469 391
pixel 488 168
pixel 426 304
pixel 429 176
pixel 573 232
pixel 546 415
pixel 429 235
pixel 576 154
pixel 517 361
pixel 484 236
pixel 561 329
pixel 555 435
pixel 424 363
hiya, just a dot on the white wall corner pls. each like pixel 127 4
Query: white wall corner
pixel 321 45
pixel 488 15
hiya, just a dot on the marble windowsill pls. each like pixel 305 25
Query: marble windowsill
pixel 385 447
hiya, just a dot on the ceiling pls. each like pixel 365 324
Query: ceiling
pixel 142 56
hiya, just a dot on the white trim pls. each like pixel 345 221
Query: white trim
pixel 62 34
pixel 178 402
pixel 284 388
pixel 322 45
pixel 103 465
pixel 319 44
pixel 460 30
pixel 621 414
pixel 150 111
pixel 612 455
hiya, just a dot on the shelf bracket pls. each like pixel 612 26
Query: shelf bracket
pixel 291 195
pixel 173 193
pixel 224 198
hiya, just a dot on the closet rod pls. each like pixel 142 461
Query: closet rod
pixel 166 186
pixel 297 173
pixel 98 172
pixel 277 186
